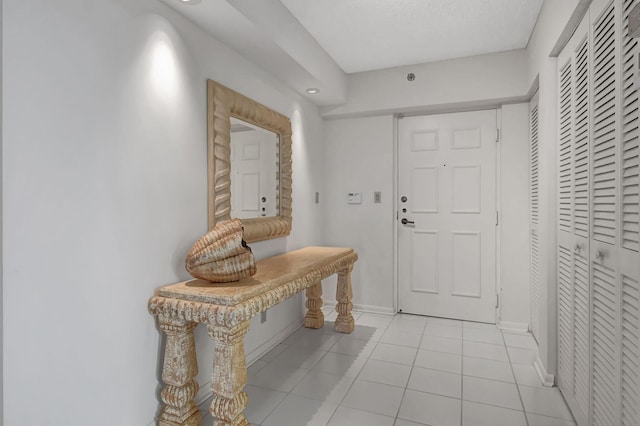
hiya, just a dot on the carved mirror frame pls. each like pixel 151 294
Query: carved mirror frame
pixel 222 104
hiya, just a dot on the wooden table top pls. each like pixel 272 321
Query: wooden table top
pixel 271 273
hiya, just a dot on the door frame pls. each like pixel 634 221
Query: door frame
pixel 396 204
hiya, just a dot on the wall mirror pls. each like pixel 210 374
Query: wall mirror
pixel 249 164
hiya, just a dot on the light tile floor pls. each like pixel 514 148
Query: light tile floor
pixel 403 370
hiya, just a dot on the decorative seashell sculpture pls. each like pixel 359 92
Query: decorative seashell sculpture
pixel 221 255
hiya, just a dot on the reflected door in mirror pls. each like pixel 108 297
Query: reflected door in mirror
pixel 254 171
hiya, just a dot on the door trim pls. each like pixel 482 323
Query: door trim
pixel 396 207
pixel 396 189
pixel 498 183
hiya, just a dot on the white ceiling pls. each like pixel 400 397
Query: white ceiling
pixel 266 33
pixel 316 43
pixel 364 35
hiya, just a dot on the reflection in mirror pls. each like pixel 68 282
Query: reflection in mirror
pixel 254 171
pixel 223 104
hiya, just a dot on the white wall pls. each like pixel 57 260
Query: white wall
pixel 455 85
pixel 460 84
pixel 104 193
pixel 513 189
pixel 475 82
pixel 359 158
pixel 553 18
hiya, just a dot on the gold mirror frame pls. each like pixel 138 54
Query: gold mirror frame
pixel 222 104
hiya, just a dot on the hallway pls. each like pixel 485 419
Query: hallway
pixel 108 150
pixel 405 371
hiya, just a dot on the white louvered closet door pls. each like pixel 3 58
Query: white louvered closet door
pixel 629 239
pixel 598 231
pixel 604 208
pixel 573 222
pixel 534 216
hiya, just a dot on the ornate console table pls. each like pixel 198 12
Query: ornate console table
pixel 227 309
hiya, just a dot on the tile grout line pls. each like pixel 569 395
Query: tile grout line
pixel 404 391
pixel 325 354
pixel 423 336
pixel 289 392
pixel 356 378
pixel 512 372
pixel 338 405
pixel 524 410
pixel 296 384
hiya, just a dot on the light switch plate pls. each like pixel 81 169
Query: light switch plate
pixel 354 198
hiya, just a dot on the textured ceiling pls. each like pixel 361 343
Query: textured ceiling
pixel 363 35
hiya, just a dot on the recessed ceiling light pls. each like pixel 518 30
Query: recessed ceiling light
pixel 313 91
pixel 190 1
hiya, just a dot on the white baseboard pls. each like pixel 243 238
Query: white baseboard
pixel 546 378
pixel 370 309
pixel 515 327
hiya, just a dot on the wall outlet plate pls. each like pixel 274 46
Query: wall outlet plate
pixel 354 198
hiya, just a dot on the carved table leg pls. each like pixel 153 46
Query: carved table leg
pixel 229 375
pixel 178 373
pixel 314 317
pixel 344 294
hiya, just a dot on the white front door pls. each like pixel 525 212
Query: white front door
pixel 254 179
pixel 447 190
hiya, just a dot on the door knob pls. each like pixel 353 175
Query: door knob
pixel 404 221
